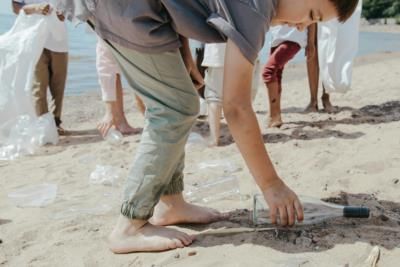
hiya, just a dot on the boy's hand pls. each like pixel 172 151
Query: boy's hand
pixel 283 204
pixel 60 16
pixel 43 9
pixel 193 71
pixel 190 65
pixel 196 76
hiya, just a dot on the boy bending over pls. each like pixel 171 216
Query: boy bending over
pixel 149 40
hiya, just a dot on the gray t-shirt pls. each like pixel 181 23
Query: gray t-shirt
pixel 153 26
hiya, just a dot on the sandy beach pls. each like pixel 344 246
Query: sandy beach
pixel 350 157
pixel 390 27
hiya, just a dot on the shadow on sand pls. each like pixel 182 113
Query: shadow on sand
pixel 79 137
pixel 382 229
pixel 300 130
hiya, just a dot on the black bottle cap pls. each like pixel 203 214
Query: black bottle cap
pixel 356 212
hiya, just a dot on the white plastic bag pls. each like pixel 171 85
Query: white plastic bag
pixel 105 175
pixel 337 48
pixel 27 133
pixel 20 50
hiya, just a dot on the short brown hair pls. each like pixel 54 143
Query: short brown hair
pixel 345 8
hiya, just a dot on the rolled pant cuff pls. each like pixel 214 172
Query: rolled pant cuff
pixel 175 187
pixel 132 212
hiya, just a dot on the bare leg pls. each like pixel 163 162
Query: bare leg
pixel 139 104
pixel 274 93
pixel 312 68
pixel 138 235
pixel 214 117
pixel 120 120
pixel 115 115
pixel 326 102
pixel 173 209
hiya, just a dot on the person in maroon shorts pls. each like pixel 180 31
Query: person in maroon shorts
pixel 286 43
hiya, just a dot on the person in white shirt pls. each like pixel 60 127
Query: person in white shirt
pixel 51 69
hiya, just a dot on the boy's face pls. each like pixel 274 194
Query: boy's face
pixel 302 13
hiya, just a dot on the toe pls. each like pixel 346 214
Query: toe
pixel 171 244
pixel 186 239
pixel 178 243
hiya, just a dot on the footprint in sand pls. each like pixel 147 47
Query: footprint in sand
pixel 373 167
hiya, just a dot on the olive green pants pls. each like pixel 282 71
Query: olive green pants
pixel 50 72
pixel 172 105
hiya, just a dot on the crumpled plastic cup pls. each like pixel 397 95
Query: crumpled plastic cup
pixel 34 195
pixel 114 137
pixel 105 175
pixel 225 187
pixel 225 165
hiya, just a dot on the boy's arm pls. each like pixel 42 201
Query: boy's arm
pixel 246 132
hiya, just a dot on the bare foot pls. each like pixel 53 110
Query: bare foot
pixel 312 107
pixel 139 236
pixel 105 124
pixel 275 122
pixel 175 210
pixel 327 104
pixel 126 129
pixel 61 131
pixel 119 122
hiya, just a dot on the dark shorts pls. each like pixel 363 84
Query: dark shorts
pixel 279 57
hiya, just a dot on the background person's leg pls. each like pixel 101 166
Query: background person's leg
pixel 274 96
pixel 326 102
pixel 271 81
pixel 272 75
pixel 139 104
pixel 214 120
pixel 312 67
pixel 40 83
pixel 121 123
pixel 213 93
pixel 58 77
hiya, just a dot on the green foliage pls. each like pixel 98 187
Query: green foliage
pixel 398 20
pixel 373 9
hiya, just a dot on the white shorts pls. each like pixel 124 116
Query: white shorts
pixel 214 81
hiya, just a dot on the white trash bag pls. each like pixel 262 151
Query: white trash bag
pixel 21 131
pixel 337 48
pixel 26 134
